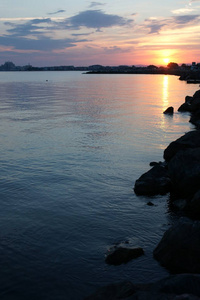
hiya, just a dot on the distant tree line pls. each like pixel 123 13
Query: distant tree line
pixel 172 68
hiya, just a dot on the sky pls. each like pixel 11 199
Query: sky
pixel 107 32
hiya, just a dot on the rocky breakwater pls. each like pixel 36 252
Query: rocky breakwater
pixel 179 249
pixel 179 174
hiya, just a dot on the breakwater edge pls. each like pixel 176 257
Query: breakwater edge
pixel 179 249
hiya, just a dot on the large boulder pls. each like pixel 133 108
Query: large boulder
pixel 189 140
pixel 154 182
pixel 184 172
pixel 195 118
pixel 179 249
pixel 196 94
pixel 122 255
pixel 193 206
pixel 169 111
pixel 184 107
pixel 195 105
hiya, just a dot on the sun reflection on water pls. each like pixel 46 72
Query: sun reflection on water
pixel 165 91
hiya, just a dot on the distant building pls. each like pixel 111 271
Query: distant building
pixel 8 66
pixel 195 66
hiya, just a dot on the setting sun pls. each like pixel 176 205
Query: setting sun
pixel 166 60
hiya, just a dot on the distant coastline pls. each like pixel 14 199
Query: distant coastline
pixel 190 73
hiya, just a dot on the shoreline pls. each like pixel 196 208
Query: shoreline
pixel 179 249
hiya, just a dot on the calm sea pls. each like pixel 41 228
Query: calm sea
pixel 72 146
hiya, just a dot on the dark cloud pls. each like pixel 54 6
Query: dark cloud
pixel 156 25
pixel 32 35
pixel 42 44
pixel 97 19
pixel 31 27
pixel 82 34
pixel 114 49
pixel 93 4
pixel 185 19
pixel 57 12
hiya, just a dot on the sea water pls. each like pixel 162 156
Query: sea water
pixel 72 146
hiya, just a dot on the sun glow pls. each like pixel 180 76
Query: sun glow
pixel 166 60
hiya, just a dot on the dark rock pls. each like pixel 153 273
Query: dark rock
pixel 154 182
pixel 123 255
pixel 180 204
pixel 114 291
pixel 188 99
pixel 160 163
pixel 169 111
pixel 195 118
pixel 185 107
pixel 195 105
pixel 175 287
pixel 153 163
pixel 182 284
pixel 150 203
pixel 179 249
pixel 196 94
pixel 194 206
pixel 184 172
pixel 189 140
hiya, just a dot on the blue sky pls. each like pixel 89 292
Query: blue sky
pixel 76 32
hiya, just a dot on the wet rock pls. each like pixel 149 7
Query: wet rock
pixel 195 105
pixel 160 163
pixel 195 118
pixel 189 140
pixel 188 99
pixel 154 182
pixel 196 94
pixel 150 203
pixel 185 107
pixel 184 172
pixel 194 206
pixel 121 290
pixel 175 287
pixel 179 249
pixel 169 111
pixel 180 204
pixel 122 255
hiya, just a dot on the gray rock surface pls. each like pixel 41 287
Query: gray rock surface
pixel 154 182
pixel 179 249
pixel 122 255
pixel 184 172
pixel 189 140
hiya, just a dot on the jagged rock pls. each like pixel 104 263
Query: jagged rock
pixel 194 206
pixel 122 255
pixel 179 249
pixel 195 105
pixel 169 111
pixel 184 172
pixel 175 287
pixel 189 140
pixel 121 290
pixel 188 99
pixel 185 107
pixel 195 118
pixel 196 94
pixel 154 182
pixel 150 203
pixel 180 204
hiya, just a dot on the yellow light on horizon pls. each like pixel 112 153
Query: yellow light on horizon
pixel 166 60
